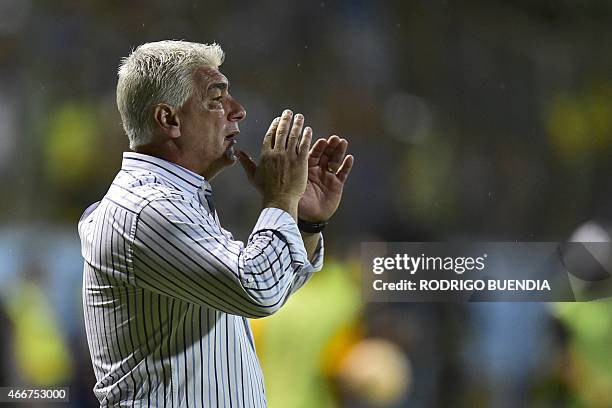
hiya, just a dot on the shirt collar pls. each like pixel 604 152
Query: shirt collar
pixel 183 178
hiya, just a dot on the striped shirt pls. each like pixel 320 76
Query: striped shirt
pixel 167 291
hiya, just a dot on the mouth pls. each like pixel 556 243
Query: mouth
pixel 231 140
pixel 232 137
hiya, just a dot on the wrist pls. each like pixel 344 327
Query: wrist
pixel 285 203
pixel 311 227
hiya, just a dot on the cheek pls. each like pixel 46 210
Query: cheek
pixel 214 118
pixel 215 109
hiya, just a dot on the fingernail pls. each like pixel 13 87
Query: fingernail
pixel 287 112
pixel 299 116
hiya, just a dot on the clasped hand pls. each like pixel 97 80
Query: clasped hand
pixel 304 181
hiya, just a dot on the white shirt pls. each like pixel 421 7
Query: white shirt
pixel 167 291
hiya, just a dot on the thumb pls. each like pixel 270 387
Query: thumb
pixel 247 163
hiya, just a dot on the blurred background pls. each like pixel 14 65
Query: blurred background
pixel 475 120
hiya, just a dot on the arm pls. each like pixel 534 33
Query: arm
pixel 179 251
pixel 314 264
pixel 311 241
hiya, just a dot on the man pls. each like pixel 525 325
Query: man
pixel 166 290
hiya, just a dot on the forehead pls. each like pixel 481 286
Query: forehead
pixel 205 76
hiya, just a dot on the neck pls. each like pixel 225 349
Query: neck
pixel 172 153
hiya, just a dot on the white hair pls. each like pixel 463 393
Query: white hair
pixel 158 72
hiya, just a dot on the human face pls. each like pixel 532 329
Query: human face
pixel 209 123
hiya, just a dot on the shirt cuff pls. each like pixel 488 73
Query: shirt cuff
pixel 275 219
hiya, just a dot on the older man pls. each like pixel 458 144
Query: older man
pixel 166 290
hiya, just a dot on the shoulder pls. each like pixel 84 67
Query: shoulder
pixel 136 191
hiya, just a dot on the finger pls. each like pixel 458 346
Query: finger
pixel 280 141
pixel 305 143
pixel 248 164
pixel 316 151
pixel 333 139
pixel 296 132
pixel 337 156
pixel 332 143
pixel 268 142
pixel 346 167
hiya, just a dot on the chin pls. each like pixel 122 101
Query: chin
pixel 230 155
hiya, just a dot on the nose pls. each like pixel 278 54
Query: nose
pixel 236 112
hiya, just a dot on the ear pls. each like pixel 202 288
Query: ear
pixel 167 120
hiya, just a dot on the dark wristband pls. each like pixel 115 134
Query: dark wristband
pixel 311 227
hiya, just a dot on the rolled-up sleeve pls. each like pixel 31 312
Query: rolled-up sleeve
pixel 180 251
